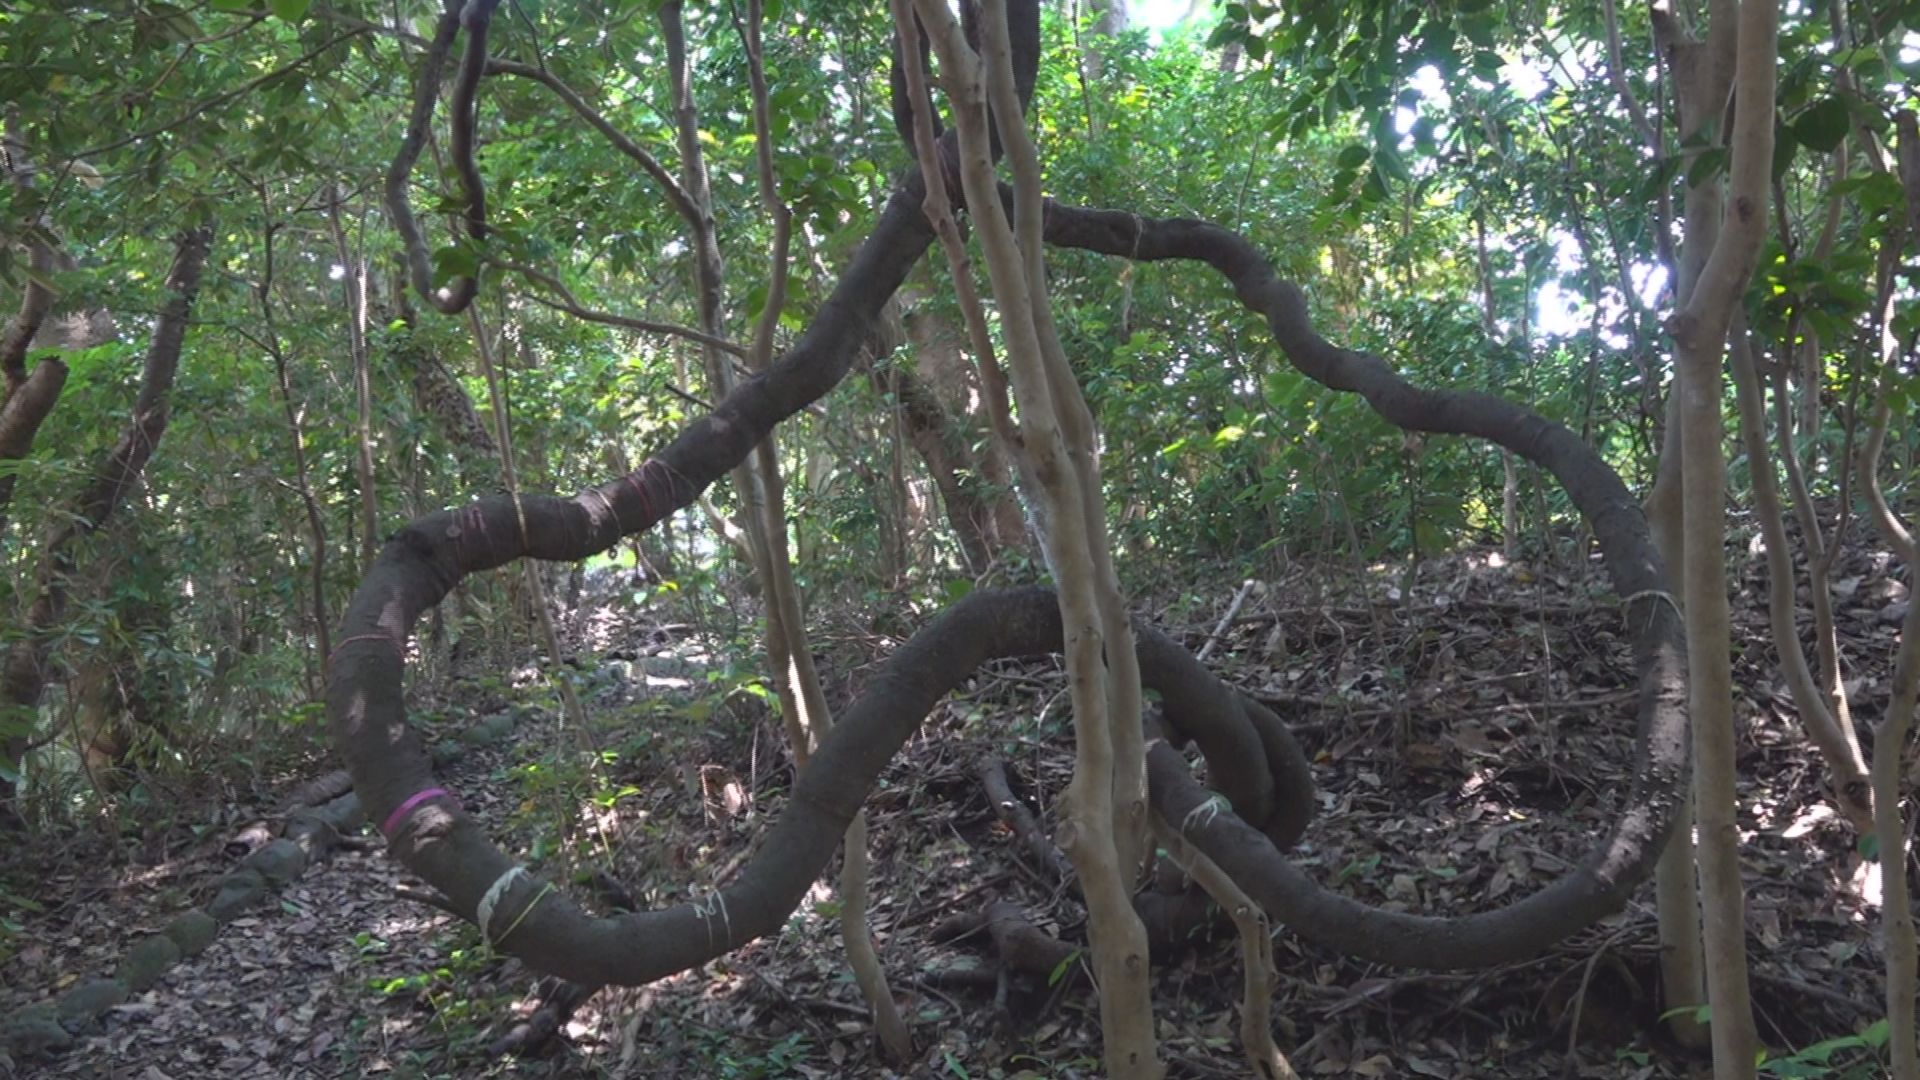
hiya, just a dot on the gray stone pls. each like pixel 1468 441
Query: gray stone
pixel 148 960
pixel 278 862
pixel 238 890
pixel 192 930
pixel 491 730
pixel 34 1030
pixel 91 998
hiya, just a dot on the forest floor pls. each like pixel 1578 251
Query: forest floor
pixel 1471 730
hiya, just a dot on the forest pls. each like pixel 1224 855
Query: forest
pixel 959 538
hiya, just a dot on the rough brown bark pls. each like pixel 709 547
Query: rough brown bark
pixel 930 430
pixel 26 398
pixel 25 675
pixel 474 17
pixel 26 408
pixel 439 395
pixel 425 559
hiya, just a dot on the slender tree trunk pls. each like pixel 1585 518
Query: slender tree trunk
pixel 1835 741
pixel 1104 833
pixel 965 394
pixel 1700 77
pixel 26 672
pixel 1710 707
pixel 303 483
pixel 1490 326
pixel 26 398
pixel 930 430
pixel 355 284
pixel 1890 746
pixel 761 488
pixel 536 586
pixel 1699 331
pixel 1676 893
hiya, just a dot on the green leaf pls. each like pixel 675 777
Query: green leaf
pixel 1707 166
pixel 454 261
pixel 1783 150
pixel 1060 970
pixel 1353 156
pixel 1821 126
pixel 291 10
pixel 1375 189
pixel 1702 1014
pixel 1387 158
pixel 1659 177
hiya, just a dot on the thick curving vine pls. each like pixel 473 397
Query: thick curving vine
pixel 424 560
pixel 1251 756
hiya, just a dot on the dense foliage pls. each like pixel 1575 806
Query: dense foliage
pixel 1492 197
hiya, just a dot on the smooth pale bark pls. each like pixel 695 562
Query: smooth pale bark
pixel 1702 73
pixel 1131 827
pixel 1683 978
pixel 1256 951
pixel 1835 742
pixel 1056 430
pixel 762 489
pixel 354 282
pixel 1710 706
pixel 1889 747
pixel 1896 905
pixel 1699 333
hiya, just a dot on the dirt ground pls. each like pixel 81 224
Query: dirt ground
pixel 1470 732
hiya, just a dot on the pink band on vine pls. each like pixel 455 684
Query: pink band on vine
pixel 400 813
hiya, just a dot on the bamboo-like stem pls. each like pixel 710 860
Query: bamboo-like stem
pixel 1056 433
pixel 536 588
pixel 1748 31
pixel 761 488
pixel 1256 951
pixel 355 283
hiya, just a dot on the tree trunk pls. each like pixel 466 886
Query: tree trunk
pixel 1104 833
pixel 1699 330
pixel 930 430
pixel 355 284
pixel 26 672
pixel 761 489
